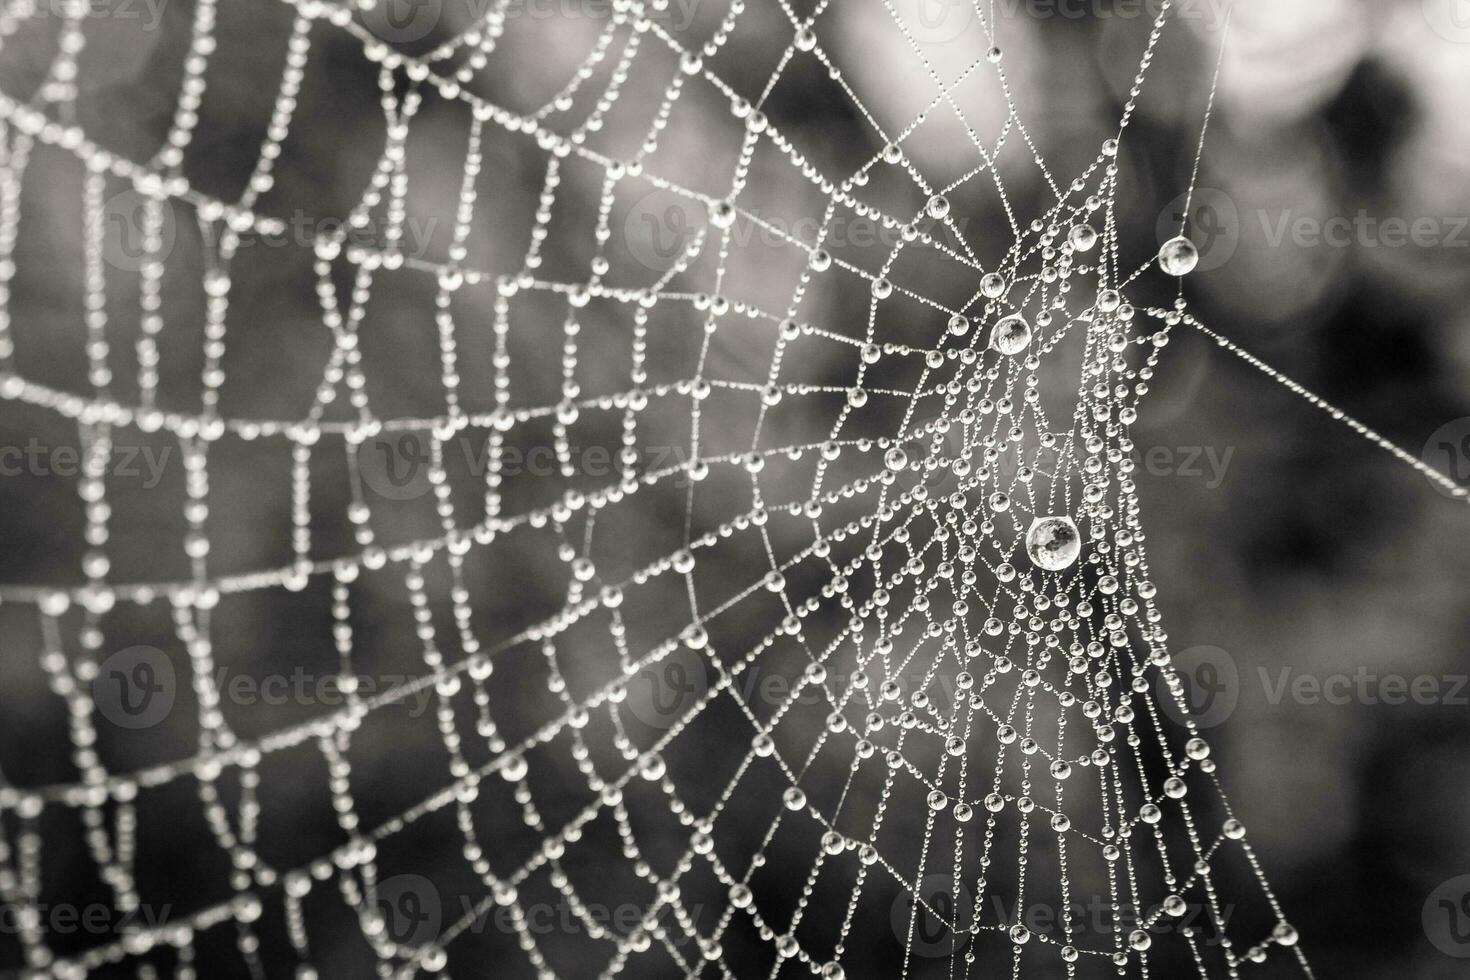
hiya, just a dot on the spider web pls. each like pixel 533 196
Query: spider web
pixel 964 728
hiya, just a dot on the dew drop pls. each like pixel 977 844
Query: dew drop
pixel 1011 335
pixel 1053 543
pixel 1178 256
pixel 722 214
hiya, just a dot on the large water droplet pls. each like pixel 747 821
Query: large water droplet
pixel 1178 256
pixel 722 214
pixel 1011 335
pixel 992 286
pixel 1053 543
pixel 938 207
pixel 1082 237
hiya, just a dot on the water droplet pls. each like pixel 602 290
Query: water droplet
pixel 882 288
pixel 722 214
pixel 1178 256
pixel 1011 335
pixel 896 459
pixel 992 286
pixel 1082 237
pixel 514 768
pixel 938 207
pixel 806 39
pixel 1285 934
pixel 1053 543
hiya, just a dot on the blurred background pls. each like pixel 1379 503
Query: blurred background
pixel 1313 587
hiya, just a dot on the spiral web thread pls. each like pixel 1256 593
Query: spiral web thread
pixel 866 775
